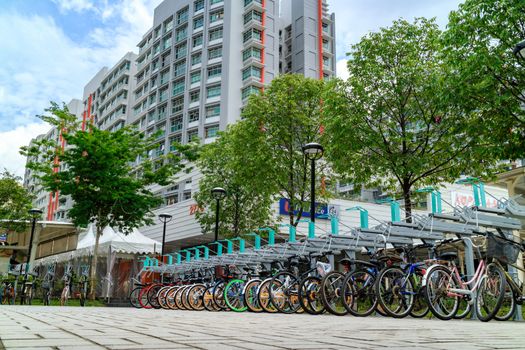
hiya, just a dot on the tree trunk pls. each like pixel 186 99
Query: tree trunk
pixel 408 203
pixel 93 278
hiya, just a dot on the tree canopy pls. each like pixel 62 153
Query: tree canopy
pixel 15 202
pixel 488 79
pixel 394 123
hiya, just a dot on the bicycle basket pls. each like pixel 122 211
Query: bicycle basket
pixel 502 250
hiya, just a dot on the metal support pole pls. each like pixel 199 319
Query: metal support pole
pixel 469 262
pixel 22 299
pixel 217 220
pixel 312 191
pixel 163 240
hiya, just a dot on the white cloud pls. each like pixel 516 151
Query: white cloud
pixel 341 68
pixel 10 144
pixel 74 5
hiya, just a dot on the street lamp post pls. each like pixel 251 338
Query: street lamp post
pixel 35 213
pixel 312 151
pixel 218 193
pixel 165 218
pixel 519 50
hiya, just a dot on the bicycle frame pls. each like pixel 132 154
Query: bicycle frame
pixel 474 282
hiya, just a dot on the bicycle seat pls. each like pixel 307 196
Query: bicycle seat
pixel 393 258
pixel 448 256
pixel 346 261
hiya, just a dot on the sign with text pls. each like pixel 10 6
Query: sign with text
pixel 3 237
pixel 322 210
pixel 464 199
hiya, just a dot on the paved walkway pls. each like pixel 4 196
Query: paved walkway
pixel 39 327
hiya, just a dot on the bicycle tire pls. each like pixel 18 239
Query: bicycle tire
pixel 208 302
pixel 508 306
pixel 161 297
pixel 284 292
pixel 331 292
pixel 360 285
pixel 233 295
pixel 490 294
pixel 263 295
pixel 184 297
pixel 134 297
pixel 395 292
pixel 143 298
pixel 178 298
pixel 310 295
pixel 250 295
pixel 464 308
pixel 438 281
pixel 170 298
pixel 218 295
pixel 153 292
pixel 195 297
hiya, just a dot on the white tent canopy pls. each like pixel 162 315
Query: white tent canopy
pixel 111 240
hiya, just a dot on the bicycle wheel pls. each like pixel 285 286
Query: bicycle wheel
pixel 218 296
pixel 420 308
pixel 233 295
pixel 250 295
pixel 195 297
pixel 134 297
pixel 263 296
pixel 310 295
pixel 284 292
pixel 178 298
pixel 395 292
pixel 441 302
pixel 508 306
pixel 490 293
pixel 170 298
pixel 208 302
pixel 161 297
pixel 184 297
pixel 360 298
pixel 152 294
pixel 332 293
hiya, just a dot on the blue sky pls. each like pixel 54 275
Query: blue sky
pixel 49 49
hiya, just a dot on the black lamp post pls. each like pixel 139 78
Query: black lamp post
pixel 165 218
pixel 312 151
pixel 35 213
pixel 218 193
pixel 519 50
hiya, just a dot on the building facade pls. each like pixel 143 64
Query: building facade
pixel 195 69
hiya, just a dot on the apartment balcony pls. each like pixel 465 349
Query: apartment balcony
pixel 210 140
pixel 216 24
pixel 254 23
pixel 194 104
pixel 193 124
pixel 253 61
pixel 253 41
pixel 212 120
pixel 253 5
pixel 252 80
pixel 215 42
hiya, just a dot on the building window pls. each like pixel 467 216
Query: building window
pixel 197 40
pixel 247 91
pixel 212 131
pixel 193 134
pixel 181 33
pixel 163 94
pixel 198 22
pixel 172 199
pixel 181 51
pixel 251 72
pixel 255 15
pixel 213 111
pixel 198 5
pixel 193 116
pixel 213 2
pixel 157 32
pixel 182 16
pixel 213 91
pixel 178 88
pixel 168 25
pixel 176 123
pixel 164 77
pixel 251 52
pixel 196 58
pixel 195 77
pixel 252 33
pixel 214 71
pixel 186 195
pixel 166 43
pixel 194 96
pixel 173 148
pixel 180 69
pixel 215 52
pixel 216 15
pixel 177 104
pixel 216 34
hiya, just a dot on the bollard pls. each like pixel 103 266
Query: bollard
pixel 219 248
pixel 257 243
pixel 241 243
pixel 271 235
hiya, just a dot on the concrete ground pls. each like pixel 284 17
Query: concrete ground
pixel 40 327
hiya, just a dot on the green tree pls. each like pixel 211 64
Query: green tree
pixel 15 202
pixel 489 80
pixel 246 206
pixel 99 174
pixel 276 123
pixel 392 124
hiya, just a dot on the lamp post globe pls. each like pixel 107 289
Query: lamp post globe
pixel 519 50
pixel 35 214
pixel 312 151
pixel 218 193
pixel 164 218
